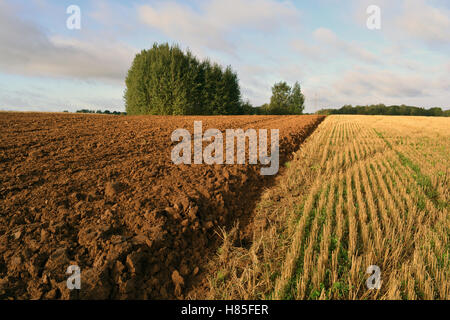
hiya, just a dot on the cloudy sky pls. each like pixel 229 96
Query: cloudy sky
pixel 324 44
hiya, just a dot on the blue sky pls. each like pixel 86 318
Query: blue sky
pixel 323 44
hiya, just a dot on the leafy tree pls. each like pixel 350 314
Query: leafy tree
pixel 281 98
pixel 263 109
pixel 436 112
pixel 297 100
pixel 286 100
pixel 231 94
pixel 164 80
pixel 247 108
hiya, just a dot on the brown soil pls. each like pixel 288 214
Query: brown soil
pixel 101 192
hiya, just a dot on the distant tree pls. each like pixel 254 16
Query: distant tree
pixel 262 110
pixel 325 111
pixel 297 100
pixel 85 111
pixel 101 112
pixel 381 109
pixel 436 112
pixel 281 98
pixel 286 100
pixel 247 108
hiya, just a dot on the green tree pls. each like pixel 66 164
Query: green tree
pixel 263 109
pixel 281 98
pixel 286 100
pixel 297 100
pixel 231 94
pixel 247 108
pixel 164 80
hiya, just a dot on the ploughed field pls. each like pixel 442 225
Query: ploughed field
pixel 101 192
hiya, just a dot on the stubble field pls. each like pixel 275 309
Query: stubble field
pixel 361 191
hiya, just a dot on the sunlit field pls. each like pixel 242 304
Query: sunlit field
pixel 362 191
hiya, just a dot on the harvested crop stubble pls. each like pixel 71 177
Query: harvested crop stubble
pixel 362 190
pixel 101 192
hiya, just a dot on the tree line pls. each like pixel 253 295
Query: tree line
pixel 117 113
pixel 165 80
pixel 381 109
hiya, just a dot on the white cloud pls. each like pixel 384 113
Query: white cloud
pixel 364 82
pixel 183 23
pixel 354 50
pixel 265 15
pixel 213 23
pixel 422 21
pixel 368 85
pixel 406 21
pixel 308 50
pixel 27 50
